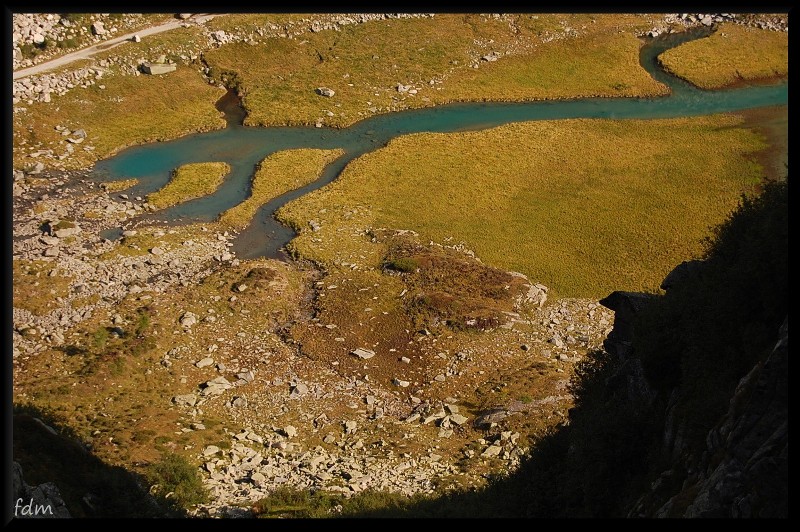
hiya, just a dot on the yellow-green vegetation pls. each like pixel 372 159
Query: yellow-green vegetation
pixel 277 174
pixel 190 181
pixel 130 110
pixel 732 54
pixel 596 65
pixel 538 57
pixel 584 206
pixel 116 186
pixel 37 284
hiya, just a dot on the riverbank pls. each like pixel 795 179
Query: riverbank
pixel 496 65
pixel 773 124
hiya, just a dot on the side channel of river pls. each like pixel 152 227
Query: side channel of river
pixel 244 147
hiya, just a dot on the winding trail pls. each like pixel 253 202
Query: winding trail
pixel 87 52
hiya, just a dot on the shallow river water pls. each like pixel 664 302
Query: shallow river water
pixel 244 147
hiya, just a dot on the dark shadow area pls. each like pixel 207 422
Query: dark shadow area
pixel 49 452
pixel 231 106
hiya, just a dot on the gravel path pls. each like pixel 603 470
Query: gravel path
pixel 90 50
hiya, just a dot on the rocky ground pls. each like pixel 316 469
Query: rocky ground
pixel 222 352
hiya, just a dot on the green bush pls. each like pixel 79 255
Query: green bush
pixel 175 479
pixel 142 323
pixel 100 338
pixel 292 502
pixel 403 264
pixel 70 42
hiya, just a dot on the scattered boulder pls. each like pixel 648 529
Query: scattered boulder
pixel 246 376
pixel 64 232
pixel 189 399
pixel 362 353
pixel 157 68
pixel 299 389
pixel 492 451
pixel 215 386
pixel 239 402
pixel 325 91
pixel 458 419
pixel 210 450
pixel 207 361
pixel 188 319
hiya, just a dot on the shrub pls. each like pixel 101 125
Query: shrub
pixel 142 323
pixel 177 480
pixel 403 264
pixel 100 338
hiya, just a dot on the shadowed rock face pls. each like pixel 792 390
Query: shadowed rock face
pixel 743 471
pixel 39 501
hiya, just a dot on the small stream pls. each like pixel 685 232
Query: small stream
pixel 244 147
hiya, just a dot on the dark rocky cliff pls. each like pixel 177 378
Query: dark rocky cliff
pixel 742 469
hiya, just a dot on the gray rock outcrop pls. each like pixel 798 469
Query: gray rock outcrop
pixel 42 501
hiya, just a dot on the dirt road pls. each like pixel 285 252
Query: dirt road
pixel 105 45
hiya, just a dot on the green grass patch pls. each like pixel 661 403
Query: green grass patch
pixel 584 206
pixel 277 174
pixel 35 289
pixel 296 503
pixel 119 185
pixel 596 65
pixel 190 181
pixel 540 56
pixel 732 54
pixel 130 110
pixel 403 264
